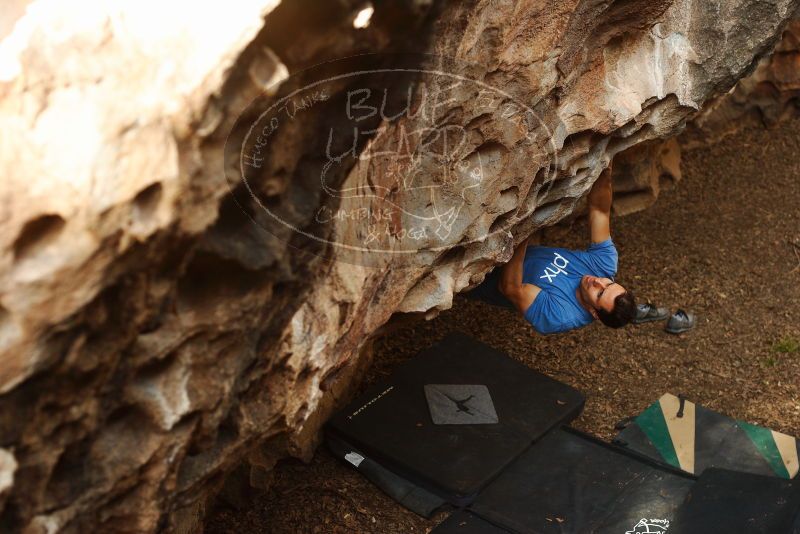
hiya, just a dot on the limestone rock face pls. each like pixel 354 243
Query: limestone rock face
pixel 769 94
pixel 154 335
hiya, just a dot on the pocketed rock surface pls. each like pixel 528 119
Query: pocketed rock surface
pixel 152 338
pixel 719 245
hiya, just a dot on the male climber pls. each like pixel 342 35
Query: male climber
pixel 558 289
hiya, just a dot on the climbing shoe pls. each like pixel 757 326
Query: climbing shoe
pixel 646 313
pixel 679 322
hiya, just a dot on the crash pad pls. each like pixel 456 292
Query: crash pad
pixel 452 417
pixel 743 503
pixel 570 482
pixel 415 498
pixel 464 522
pixel 687 435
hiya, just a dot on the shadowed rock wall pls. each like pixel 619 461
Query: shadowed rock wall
pixel 153 335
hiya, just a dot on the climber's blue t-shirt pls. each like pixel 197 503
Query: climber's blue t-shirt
pixel 558 272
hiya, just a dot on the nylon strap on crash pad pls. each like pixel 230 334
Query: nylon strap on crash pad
pixel 415 498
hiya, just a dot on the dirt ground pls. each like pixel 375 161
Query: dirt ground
pixel 719 245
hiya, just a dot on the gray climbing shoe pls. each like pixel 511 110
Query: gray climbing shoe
pixel 679 322
pixel 648 312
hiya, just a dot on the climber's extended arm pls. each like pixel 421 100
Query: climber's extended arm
pixel 520 294
pixel 600 207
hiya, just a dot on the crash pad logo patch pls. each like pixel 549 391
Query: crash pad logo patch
pixel 460 404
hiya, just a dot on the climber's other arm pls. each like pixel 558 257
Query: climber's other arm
pixel 520 294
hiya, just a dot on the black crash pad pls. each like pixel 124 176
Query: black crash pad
pixel 743 503
pixel 464 522
pixel 392 421
pixel 413 497
pixel 570 482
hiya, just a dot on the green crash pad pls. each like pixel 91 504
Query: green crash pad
pixel 693 438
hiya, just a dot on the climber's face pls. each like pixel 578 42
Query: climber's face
pixel 599 293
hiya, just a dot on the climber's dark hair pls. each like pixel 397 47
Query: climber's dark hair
pixel 623 312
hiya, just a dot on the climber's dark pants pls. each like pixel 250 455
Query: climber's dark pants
pixel 488 291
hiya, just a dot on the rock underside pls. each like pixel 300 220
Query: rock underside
pixel 154 336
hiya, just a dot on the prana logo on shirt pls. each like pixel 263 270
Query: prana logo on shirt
pixel 556 266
